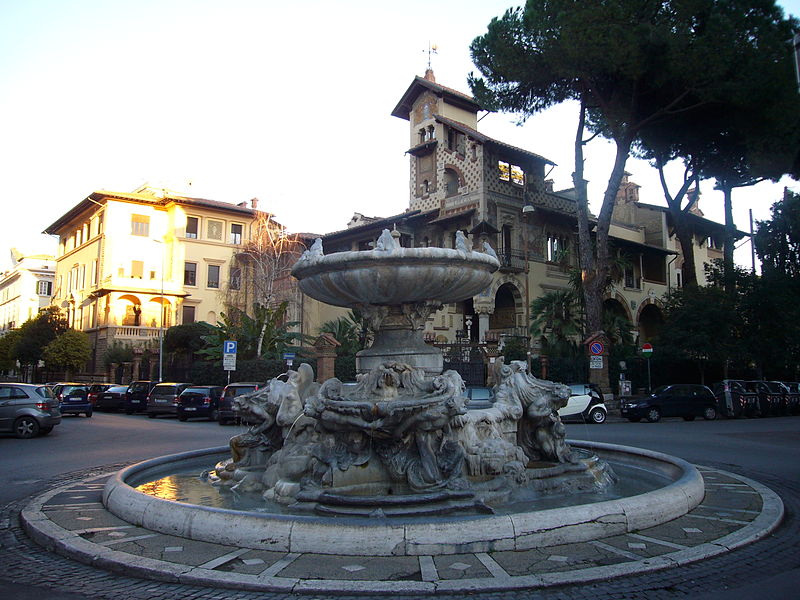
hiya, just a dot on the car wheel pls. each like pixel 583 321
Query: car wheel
pixel 634 419
pixel 710 413
pixel 214 415
pixel 597 416
pixel 128 412
pixel 653 415
pixel 151 415
pixel 26 428
pixel 689 418
pixel 223 421
pixel 89 415
pixel 45 430
pixel 182 419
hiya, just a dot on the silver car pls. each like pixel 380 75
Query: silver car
pixel 28 410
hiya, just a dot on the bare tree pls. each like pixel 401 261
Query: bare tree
pixel 260 272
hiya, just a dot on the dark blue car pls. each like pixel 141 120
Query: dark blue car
pixel 74 399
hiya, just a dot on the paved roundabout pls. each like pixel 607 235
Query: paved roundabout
pixel 71 521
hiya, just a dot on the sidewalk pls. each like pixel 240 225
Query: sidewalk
pixel 71 521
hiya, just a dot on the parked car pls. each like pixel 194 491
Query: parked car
pixel 136 396
pixel 773 397
pixel 677 400
pixel 95 390
pixel 163 399
pixel 585 404
pixel 225 410
pixel 28 410
pixel 479 397
pixel 764 404
pixel 73 399
pixel 734 399
pixel 112 398
pixel 793 404
pixel 199 401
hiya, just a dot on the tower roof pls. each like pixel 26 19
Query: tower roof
pixel 428 83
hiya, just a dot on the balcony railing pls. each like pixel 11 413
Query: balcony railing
pixel 133 332
pixel 511 260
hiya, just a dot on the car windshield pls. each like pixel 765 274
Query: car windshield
pixel 578 389
pixel 659 389
pixel 239 390
pixel 44 392
pixel 74 389
pixel 197 390
pixel 164 389
pixel 139 387
pixel 117 389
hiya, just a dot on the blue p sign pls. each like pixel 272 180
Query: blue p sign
pixel 229 347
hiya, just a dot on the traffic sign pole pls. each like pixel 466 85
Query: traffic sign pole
pixel 647 352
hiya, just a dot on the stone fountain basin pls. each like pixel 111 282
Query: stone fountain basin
pixel 387 537
pixel 389 278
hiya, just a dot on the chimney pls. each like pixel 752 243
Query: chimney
pixel 693 195
pixel 548 185
pixel 242 204
pixel 429 75
pixel 254 203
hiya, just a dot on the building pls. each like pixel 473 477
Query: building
pixel 130 265
pixel 461 179
pixel 25 289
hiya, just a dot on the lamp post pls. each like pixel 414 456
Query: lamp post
pixel 161 327
pixel 527 210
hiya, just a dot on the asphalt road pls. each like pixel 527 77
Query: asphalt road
pixel 763 449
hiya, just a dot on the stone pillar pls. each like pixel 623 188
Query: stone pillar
pixel 137 363
pixel 483 326
pixel 325 349
pixel 112 373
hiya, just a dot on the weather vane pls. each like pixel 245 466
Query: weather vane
pixel 432 49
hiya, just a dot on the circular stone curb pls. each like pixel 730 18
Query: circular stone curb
pixel 301 534
pixel 67 543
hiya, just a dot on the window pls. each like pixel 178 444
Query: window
pixel 451 182
pixel 137 269
pixel 214 230
pixel 503 171
pixel 188 314
pixel 556 247
pixel 44 288
pixel 517 176
pixel 140 225
pixel 94 272
pixel 235 280
pixel 213 276
pixel 192 227
pixel 236 233
pixel 189 273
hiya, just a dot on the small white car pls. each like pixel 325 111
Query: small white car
pixel 585 404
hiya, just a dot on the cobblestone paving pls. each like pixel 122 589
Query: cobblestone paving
pixel 728 506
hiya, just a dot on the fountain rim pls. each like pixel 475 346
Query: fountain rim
pixel 337 261
pixel 352 536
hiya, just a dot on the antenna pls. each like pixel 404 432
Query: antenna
pixel 432 49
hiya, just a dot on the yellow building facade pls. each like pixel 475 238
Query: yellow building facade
pixel 130 265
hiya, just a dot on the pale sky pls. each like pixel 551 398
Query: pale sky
pixel 286 101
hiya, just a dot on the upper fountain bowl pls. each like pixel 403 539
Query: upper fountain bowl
pixel 392 275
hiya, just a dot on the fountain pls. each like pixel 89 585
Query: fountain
pixel 397 463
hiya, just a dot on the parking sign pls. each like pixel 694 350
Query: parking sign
pixel 229 347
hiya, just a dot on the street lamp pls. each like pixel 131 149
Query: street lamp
pixel 161 327
pixel 526 211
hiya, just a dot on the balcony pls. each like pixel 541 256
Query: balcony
pixel 133 333
pixel 511 261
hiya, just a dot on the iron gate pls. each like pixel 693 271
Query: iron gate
pixel 467 360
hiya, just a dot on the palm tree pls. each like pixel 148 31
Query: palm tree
pixel 556 319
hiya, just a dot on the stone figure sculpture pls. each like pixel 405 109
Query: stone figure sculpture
pixel 400 441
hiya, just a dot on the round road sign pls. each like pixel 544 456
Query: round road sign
pixel 647 350
pixel 596 348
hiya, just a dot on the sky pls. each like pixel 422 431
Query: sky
pixel 288 102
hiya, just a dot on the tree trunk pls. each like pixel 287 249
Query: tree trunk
pixel 730 235
pixel 684 235
pixel 585 254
